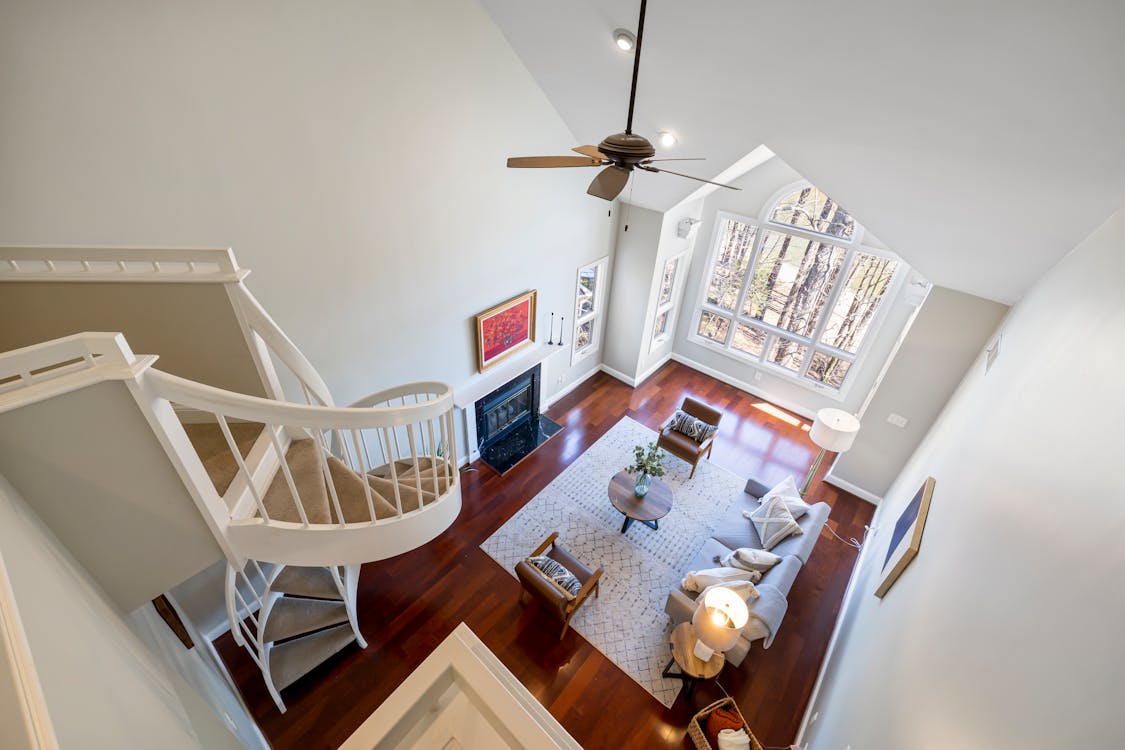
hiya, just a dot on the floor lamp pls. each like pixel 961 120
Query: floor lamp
pixel 833 430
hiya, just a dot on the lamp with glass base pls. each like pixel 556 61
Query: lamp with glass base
pixel 718 621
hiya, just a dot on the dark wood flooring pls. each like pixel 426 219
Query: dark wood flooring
pixel 410 603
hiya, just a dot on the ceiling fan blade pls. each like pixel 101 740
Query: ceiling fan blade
pixel 681 174
pixel 609 183
pixel 553 161
pixel 677 158
pixel 591 151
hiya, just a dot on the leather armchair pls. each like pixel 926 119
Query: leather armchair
pixel 684 447
pixel 554 599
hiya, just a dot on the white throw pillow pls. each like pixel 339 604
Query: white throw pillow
pixel 774 522
pixel 787 489
pixel 749 558
pixel 698 580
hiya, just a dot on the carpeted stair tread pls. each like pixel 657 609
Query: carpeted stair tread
pixel 353 498
pixel 309 582
pixel 292 616
pixel 293 659
pixel 309 480
pixel 211 446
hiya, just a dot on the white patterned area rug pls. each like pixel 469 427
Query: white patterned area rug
pixel 627 622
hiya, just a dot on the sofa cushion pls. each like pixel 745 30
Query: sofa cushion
pixel 732 533
pixel 773 522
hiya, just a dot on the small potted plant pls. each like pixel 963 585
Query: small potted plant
pixel 646 465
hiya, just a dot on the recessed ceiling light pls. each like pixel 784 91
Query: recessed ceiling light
pixel 666 138
pixel 625 40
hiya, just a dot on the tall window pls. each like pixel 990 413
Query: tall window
pixel 797 292
pixel 589 301
pixel 665 319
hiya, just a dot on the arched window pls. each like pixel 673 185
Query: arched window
pixel 797 293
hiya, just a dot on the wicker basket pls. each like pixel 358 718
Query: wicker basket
pixel 699 737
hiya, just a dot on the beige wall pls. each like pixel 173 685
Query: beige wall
pixel 352 155
pixel 88 463
pixel 103 689
pixel 1005 632
pixel 945 338
pixel 192 327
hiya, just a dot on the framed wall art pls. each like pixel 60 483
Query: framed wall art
pixel 906 537
pixel 505 329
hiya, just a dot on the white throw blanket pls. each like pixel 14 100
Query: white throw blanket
pixel 697 580
pixel 729 739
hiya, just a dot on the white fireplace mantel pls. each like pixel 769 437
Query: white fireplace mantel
pixel 483 383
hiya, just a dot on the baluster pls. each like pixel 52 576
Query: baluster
pixel 322 458
pixel 242 466
pixel 394 476
pixel 363 476
pixel 288 475
pixel 414 458
pixel 433 457
pixel 451 440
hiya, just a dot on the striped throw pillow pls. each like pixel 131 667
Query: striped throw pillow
pixel 686 424
pixel 557 572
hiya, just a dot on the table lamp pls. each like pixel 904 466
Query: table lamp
pixel 719 619
pixel 832 430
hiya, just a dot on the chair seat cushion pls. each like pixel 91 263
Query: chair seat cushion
pixel 694 428
pixel 678 444
pixel 557 573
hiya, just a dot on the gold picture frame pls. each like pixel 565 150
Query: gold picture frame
pixel 505 329
pixel 906 537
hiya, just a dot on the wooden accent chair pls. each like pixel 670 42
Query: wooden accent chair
pixel 681 445
pixel 558 602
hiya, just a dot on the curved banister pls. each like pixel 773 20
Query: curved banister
pixel 255 409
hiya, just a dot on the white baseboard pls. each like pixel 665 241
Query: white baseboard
pixel 652 370
pixel 743 386
pixel 619 375
pixel 852 489
pixel 566 391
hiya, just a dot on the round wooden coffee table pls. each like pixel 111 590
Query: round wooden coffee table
pixel 648 509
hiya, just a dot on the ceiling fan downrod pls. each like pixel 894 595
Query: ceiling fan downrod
pixel 636 66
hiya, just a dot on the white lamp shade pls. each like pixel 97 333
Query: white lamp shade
pixel 834 430
pixel 719 618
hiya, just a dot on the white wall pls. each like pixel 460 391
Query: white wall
pixel 1005 632
pixel 352 154
pixel 103 689
pixel 638 239
pixel 757 187
pixel 944 339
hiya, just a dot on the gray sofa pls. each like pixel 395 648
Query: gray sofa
pixel 734 531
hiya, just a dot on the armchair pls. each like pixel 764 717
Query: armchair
pixel 684 447
pixel 558 602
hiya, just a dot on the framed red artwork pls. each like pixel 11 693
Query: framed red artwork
pixel 505 329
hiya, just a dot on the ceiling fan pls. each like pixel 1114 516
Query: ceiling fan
pixel 619 154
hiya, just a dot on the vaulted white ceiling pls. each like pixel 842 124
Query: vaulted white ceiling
pixel 980 141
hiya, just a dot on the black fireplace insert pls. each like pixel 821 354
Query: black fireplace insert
pixel 509 425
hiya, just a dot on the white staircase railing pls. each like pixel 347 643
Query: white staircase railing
pixel 378 467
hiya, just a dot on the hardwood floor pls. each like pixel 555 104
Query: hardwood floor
pixel 410 603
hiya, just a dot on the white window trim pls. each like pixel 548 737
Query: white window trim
pixel 851 247
pixel 601 266
pixel 672 306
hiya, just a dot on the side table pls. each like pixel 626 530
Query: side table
pixel 692 668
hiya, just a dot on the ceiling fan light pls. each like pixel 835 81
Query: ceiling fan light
pixel 666 138
pixel 625 40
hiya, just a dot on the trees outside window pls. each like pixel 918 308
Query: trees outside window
pixel 797 292
pixel 665 318
pixel 589 301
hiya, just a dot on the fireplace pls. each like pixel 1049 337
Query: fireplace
pixel 509 425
